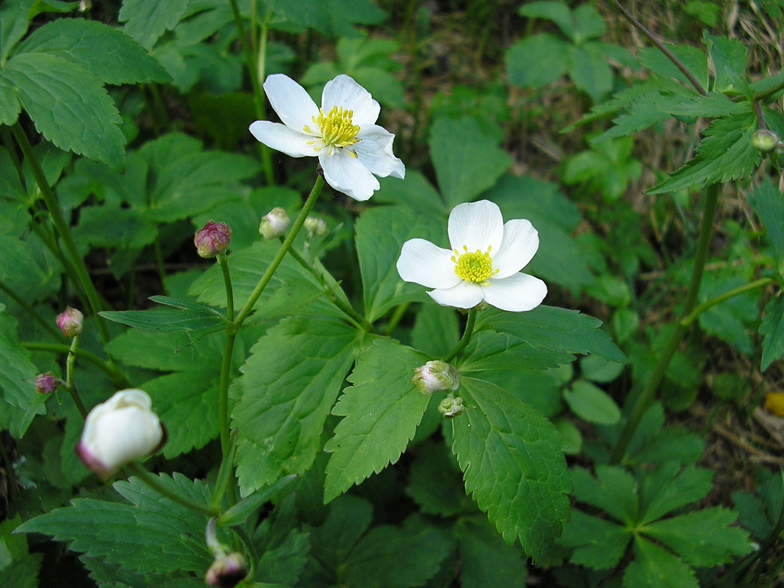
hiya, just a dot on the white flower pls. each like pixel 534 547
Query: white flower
pixel 484 262
pixel 120 430
pixel 342 133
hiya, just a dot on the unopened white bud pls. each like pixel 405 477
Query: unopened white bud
pixel 451 406
pixel 435 376
pixel 274 223
pixel 316 226
pixel 764 140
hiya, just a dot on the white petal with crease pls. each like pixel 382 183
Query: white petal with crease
pixel 290 100
pixel 464 295
pixel 374 149
pixel 424 263
pixel 347 174
pixel 282 138
pixel 344 92
pixel 518 247
pixel 517 293
pixel 476 225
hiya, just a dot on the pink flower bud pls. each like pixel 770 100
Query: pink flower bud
pixel 275 223
pixel 213 239
pixel 120 430
pixel 47 383
pixel 70 322
pixel 435 376
pixel 227 571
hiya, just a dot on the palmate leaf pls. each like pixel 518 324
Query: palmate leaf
pixel 513 465
pixel 597 543
pixel 104 51
pixel 68 105
pixel 725 154
pixel 288 386
pixel 151 534
pixel 382 410
pixel 656 567
pixel 613 490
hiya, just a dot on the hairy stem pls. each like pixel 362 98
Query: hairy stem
pixel 62 228
pixel 69 381
pixel 648 393
pixel 469 331
pixel 115 374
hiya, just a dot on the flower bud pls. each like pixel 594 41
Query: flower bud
pixel 226 571
pixel 120 430
pixel 47 383
pixel 317 226
pixel 435 376
pixel 451 406
pixel 274 223
pixel 70 322
pixel 213 239
pixel 764 141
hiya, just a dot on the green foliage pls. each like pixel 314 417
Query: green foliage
pixel 331 17
pixel 592 404
pixel 607 166
pixel 147 20
pixel 190 317
pixel 18 567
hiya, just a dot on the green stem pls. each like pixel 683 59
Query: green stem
pixel 50 328
pixel 223 262
pixel 261 63
pixel 248 307
pixel 395 318
pixel 688 320
pixel 346 308
pixel 154 483
pixel 251 549
pixel 223 398
pixel 469 331
pixel 62 227
pixel 159 261
pixel 115 374
pixel 69 381
pixel 661 46
pixel 51 243
pixel 249 60
pixel 648 394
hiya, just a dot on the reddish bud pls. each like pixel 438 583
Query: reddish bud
pixel 213 239
pixel 70 322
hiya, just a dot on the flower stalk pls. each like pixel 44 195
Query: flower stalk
pixel 466 339
pixel 110 370
pixel 69 381
pixel 648 394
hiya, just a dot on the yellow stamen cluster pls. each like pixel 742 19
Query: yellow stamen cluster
pixel 336 127
pixel 473 266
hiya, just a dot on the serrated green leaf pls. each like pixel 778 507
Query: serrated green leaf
pixel 768 203
pixel 435 330
pixel 381 233
pixel 557 329
pixel 641 114
pixel 597 543
pixel 414 192
pixel 69 106
pixel 692 57
pixel 537 60
pixel 491 352
pixel 114 227
pixel 668 487
pixel 9 103
pixel 588 23
pixel 288 386
pixel 467 161
pixel 375 560
pixel 172 535
pixel 590 72
pixel 703 538
pixel 189 316
pixel 712 105
pixel 592 404
pixel 17 373
pixel 726 54
pixel 485 560
pixel 772 328
pixel 513 465
pixel 28 267
pixel 104 51
pixel 147 20
pixel 22 573
pixel 331 17
pixel 613 490
pixel 671 443
pixel 434 482
pixel 656 567
pixel 241 511
pixel 725 154
pixel 382 410
pixel 558 12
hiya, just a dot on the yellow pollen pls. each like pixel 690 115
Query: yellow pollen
pixel 336 126
pixel 473 266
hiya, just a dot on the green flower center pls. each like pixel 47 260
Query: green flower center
pixel 473 266
pixel 336 127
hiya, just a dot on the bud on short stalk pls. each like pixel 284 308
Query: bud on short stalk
pixel 451 406
pixel 121 430
pixel 274 223
pixel 47 383
pixel 70 322
pixel 226 571
pixel 765 141
pixel 435 376
pixel 316 226
pixel 213 239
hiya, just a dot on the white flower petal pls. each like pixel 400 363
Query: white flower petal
pixel 282 138
pixel 374 150
pixel 476 225
pixel 344 92
pixel 517 293
pixel 426 264
pixel 464 295
pixel 290 100
pixel 519 245
pixel 347 174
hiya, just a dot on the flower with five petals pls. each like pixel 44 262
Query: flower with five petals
pixel 342 133
pixel 484 263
